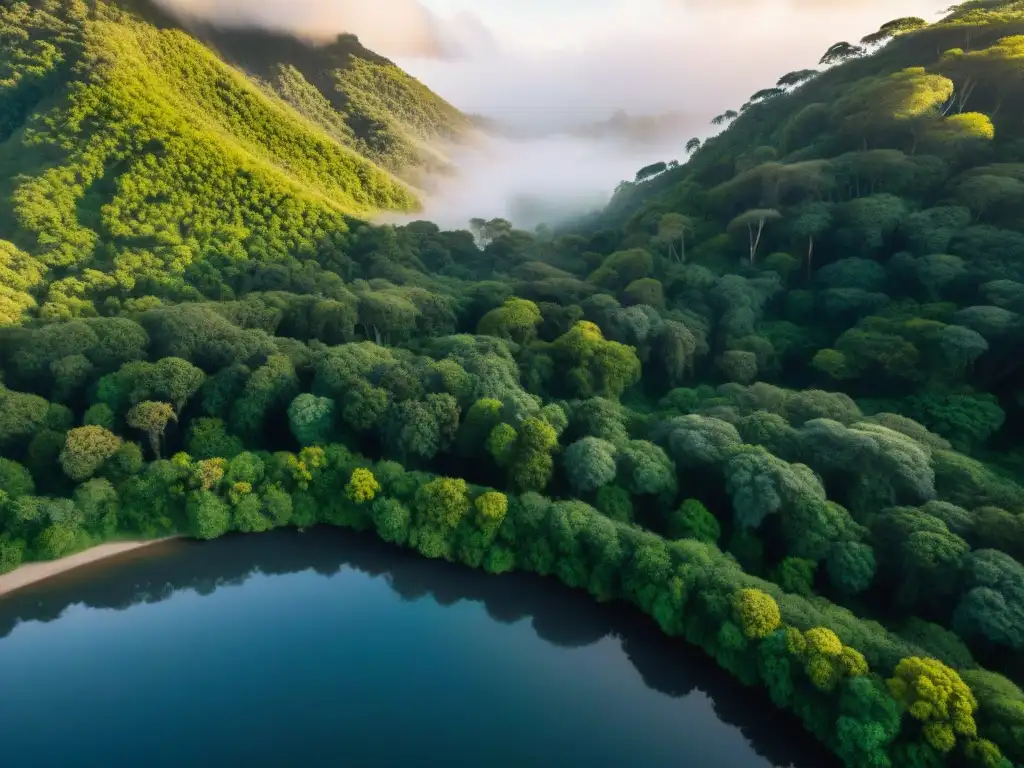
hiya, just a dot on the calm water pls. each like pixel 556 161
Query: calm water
pixel 327 648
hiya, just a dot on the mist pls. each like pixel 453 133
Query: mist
pixel 694 58
pixel 544 71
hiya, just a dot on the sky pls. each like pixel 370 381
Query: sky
pixel 549 59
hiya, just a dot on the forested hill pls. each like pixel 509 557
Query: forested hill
pixel 364 100
pixel 360 98
pixel 872 212
pixel 130 151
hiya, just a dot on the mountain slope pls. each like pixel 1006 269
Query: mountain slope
pixel 387 115
pixel 883 197
pixel 128 149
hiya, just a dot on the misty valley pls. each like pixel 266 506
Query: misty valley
pixel 450 383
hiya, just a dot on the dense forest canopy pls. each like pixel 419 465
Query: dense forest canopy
pixel 773 396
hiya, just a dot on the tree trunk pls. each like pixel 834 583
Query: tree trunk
pixel 682 247
pixel 810 255
pixel 756 241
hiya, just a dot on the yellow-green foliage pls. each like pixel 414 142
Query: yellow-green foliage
pixel 156 155
pixel 362 486
pixel 290 84
pixel 934 694
pixel 206 474
pixel 19 273
pixel 491 508
pixel 826 660
pixel 239 491
pixel 384 89
pixel 757 613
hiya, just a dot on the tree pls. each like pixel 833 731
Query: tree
pixel 935 695
pixel 753 222
pixel 851 566
pixel 837 53
pixel 85 450
pixel 590 464
pixel 795 575
pixel 793 79
pixel 594 366
pixel 442 503
pixel 673 227
pixel 270 389
pixel 645 469
pixel 893 28
pixel 22 415
pixel 902 105
pixel 208 515
pixel 311 419
pixel 931 230
pixel 516 320
pixel 392 520
pixel 693 521
pixel 152 418
pixel 756 612
pixel 650 170
pixel 362 486
pixel 699 441
pixel 692 145
pixel 530 458
pixel 16 480
pixel 738 366
pixel 827 662
pixel 486 232
pixel 811 221
pixel 766 93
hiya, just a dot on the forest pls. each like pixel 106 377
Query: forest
pixel 772 395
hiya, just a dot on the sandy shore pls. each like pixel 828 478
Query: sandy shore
pixel 30 573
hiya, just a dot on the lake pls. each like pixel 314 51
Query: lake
pixel 328 648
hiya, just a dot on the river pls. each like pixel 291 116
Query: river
pixel 328 648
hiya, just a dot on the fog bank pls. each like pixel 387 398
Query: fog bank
pixel 534 181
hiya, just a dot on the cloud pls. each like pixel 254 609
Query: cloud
pixel 393 28
pixel 696 57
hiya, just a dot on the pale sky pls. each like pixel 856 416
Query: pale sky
pixel 525 60
pixel 548 58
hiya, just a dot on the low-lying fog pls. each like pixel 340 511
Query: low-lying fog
pixel 534 181
pixel 547 68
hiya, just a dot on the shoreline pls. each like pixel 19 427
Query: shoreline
pixel 33 573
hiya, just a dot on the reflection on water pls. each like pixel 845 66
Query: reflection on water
pixel 557 615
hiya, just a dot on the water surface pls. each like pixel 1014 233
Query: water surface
pixel 328 648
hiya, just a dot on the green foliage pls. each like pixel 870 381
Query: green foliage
pixel 208 515
pixel 15 480
pixel 181 251
pixel 311 419
pixel 590 464
pixel 693 521
pixel 86 449
pixel 593 366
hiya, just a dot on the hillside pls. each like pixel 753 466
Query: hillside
pixel 362 99
pixel 773 397
pixel 883 196
pixel 128 150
